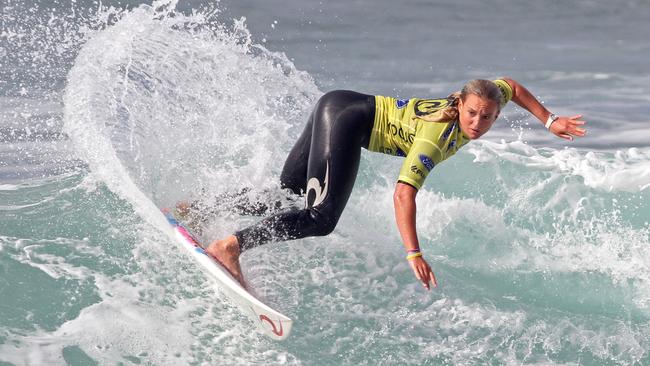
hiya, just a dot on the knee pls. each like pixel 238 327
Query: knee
pixel 324 223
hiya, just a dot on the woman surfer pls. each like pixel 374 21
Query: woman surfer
pixel 323 163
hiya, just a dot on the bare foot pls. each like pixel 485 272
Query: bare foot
pixel 183 208
pixel 190 216
pixel 226 252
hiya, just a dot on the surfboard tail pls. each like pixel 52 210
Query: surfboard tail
pixel 270 322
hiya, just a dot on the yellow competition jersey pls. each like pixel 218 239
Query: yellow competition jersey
pixel 424 144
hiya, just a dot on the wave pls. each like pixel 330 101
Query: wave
pixel 165 106
pixel 531 245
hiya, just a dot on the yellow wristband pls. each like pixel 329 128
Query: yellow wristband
pixel 414 255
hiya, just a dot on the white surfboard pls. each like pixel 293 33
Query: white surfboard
pixel 270 322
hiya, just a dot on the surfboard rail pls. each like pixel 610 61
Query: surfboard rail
pixel 269 321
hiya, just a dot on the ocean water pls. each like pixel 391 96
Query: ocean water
pixel 109 110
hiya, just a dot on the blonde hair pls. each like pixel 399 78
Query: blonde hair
pixel 479 87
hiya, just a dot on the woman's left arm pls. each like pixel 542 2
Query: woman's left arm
pixel 564 127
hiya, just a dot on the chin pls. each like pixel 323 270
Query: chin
pixel 473 135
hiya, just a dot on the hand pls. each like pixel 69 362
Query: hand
pixel 423 272
pixel 567 127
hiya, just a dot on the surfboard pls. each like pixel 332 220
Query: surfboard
pixel 269 321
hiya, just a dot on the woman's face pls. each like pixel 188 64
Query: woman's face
pixel 476 115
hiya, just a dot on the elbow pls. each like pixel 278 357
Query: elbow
pixel 404 193
pixel 400 196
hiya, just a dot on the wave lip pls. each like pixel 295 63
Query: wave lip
pixel 176 101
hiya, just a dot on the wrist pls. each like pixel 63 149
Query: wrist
pixel 549 121
pixel 412 256
pixel 413 253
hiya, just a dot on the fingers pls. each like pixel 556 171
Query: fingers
pixel 568 127
pixel 433 278
pixel 576 131
pixel 418 274
pixel 424 274
pixel 576 116
pixel 429 277
pixel 572 126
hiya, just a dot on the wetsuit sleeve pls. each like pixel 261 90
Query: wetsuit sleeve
pixel 423 156
pixel 506 91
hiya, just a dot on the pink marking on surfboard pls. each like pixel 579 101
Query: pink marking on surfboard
pixel 275 329
pixel 187 235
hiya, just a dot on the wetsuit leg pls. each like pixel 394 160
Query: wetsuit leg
pixel 341 124
pixel 294 172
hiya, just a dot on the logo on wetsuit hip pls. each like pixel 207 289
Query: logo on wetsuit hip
pixel 427 162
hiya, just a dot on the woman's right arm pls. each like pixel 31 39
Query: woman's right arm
pixel 405 210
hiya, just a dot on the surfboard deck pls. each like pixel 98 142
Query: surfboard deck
pixel 269 321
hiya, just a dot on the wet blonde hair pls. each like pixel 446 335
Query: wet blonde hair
pixel 481 88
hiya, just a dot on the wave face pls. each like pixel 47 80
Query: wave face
pixel 542 255
pixel 179 105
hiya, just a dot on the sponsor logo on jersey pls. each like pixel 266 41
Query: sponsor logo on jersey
pixel 401 103
pixel 399 152
pixel 417 171
pixel 427 106
pixel 399 132
pixel 427 162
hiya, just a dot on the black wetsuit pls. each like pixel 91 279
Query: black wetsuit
pixel 324 161
pixel 323 165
